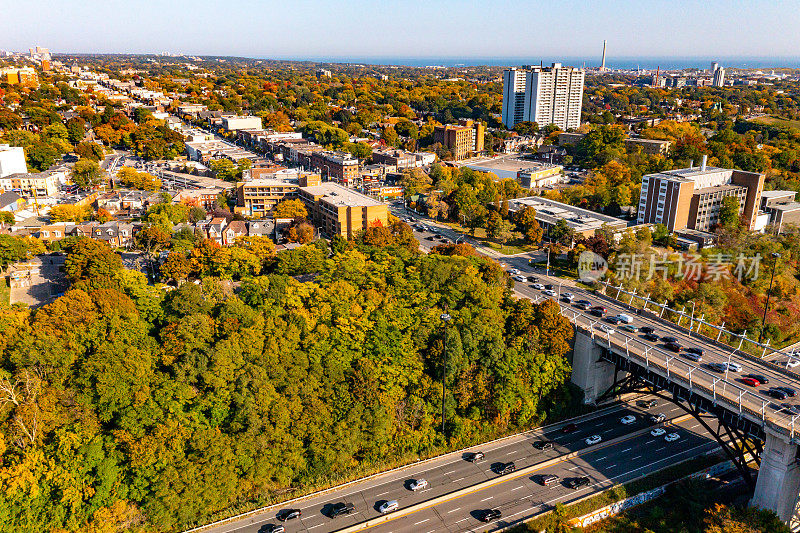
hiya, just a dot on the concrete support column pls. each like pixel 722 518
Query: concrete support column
pixel 592 376
pixel 778 481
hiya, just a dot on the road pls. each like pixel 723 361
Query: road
pixel 782 412
pixel 518 498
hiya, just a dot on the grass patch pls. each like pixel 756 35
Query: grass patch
pixel 620 492
pixel 774 120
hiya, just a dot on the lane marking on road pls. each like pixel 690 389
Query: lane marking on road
pixel 637 457
pixel 454 510
pixel 627 449
pixel 456 480
pixel 575 467
pixel 448 473
pixel 611 466
pixel 487 499
pixel 520 487
pixel 312 527
pixel 421 521
pixel 512 452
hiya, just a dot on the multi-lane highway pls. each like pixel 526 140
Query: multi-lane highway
pixel 625 452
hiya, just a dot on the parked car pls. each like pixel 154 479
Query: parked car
pixel 342 508
pixel 419 484
pixel 490 515
pixel 657 432
pixel 543 445
pixel 475 457
pixel 627 420
pixel 506 468
pixel 388 507
pixel 549 479
pixel 672 437
pixel 578 482
pixel 594 439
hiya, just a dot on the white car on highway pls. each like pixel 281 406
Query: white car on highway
pixel 733 367
pixel 657 432
pixel 550 292
pixel 605 329
pixel 672 437
pixel 419 484
pixel 594 439
pixel 513 271
pixel 627 420
pixel 388 507
pixel 538 286
pixel 519 278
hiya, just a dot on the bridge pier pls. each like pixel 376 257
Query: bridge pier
pixel 778 482
pixel 589 373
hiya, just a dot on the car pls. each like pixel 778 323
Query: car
pixel 505 468
pixel 491 514
pixel 657 419
pixel 777 393
pixel 657 432
pixel 583 304
pixel 791 363
pixel 613 320
pixel 549 292
pixel 578 482
pixel 273 528
pixel 673 347
pixel 695 350
pixel 606 329
pixel 518 278
pixel 430 238
pixel 538 286
pixel 289 514
pixel 629 328
pixel 513 271
pixel 549 286
pixel 672 437
pixel 419 484
pixel 341 508
pixel 627 420
pixel 475 457
pixel 567 296
pixel 668 339
pixel 598 309
pixel 647 329
pixel 718 367
pixel 733 367
pixel 652 337
pixel 758 377
pixel 625 319
pixel 692 356
pixel 388 507
pixel 549 479
pixel 569 428
pixel 594 439
pixel 543 445
pixel 647 404
pixel 533 279
pixel 751 382
pixel 788 390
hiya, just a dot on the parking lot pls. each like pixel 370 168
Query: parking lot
pixel 38 281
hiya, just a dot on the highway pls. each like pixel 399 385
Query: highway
pixel 625 452
pixel 727 384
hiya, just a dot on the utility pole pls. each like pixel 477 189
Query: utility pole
pixel 775 256
pixel 446 319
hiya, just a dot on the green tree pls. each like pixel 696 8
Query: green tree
pixel 729 212
pixel 86 173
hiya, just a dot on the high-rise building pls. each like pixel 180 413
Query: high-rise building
pixel 692 197
pixel 514 81
pixel 717 75
pixel 552 95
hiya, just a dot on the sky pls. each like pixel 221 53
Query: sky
pixel 298 29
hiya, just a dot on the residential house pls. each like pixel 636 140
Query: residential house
pixel 116 234
pixel 215 228
pixel 237 228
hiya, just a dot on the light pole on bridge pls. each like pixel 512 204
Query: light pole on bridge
pixel 775 256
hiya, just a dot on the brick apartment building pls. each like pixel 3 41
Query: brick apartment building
pixel 338 210
pixel 462 139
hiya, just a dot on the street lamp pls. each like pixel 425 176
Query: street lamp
pixel 691 324
pixel 446 319
pixel 775 256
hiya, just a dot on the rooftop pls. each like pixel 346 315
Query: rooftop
pixel 340 196
pixel 578 219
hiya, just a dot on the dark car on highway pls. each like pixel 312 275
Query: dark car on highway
pixel 673 347
pixel 758 377
pixel 491 514
pixel 776 393
pixel 669 339
pixel 578 482
pixel 598 310
pixel 647 329
pixel 647 404
pixel 543 445
pixel 506 468
pixel 475 457
pixel 652 337
pixel 289 514
pixel 788 390
pixel 583 304
pixel 569 428
pixel 692 356
pixel 341 508
pixel 695 350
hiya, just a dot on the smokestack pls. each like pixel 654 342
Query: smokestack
pixel 703 165
pixel 603 62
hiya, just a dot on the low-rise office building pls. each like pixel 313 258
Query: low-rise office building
pixel 337 210
pixel 234 123
pixel 341 167
pixel 648 146
pixel 37 185
pixel 581 221
pixel 257 198
pixel 540 175
pixel 783 210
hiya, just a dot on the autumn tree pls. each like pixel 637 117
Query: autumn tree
pixel 86 173
pixel 290 209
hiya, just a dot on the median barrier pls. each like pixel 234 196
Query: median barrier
pixel 523 472
pixel 455 453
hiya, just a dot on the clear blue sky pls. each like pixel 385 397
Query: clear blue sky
pixel 411 28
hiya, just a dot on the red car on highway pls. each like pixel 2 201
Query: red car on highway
pixel 750 381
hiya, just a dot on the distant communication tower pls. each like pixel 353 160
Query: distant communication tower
pixel 603 62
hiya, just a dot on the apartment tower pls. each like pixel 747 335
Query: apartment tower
pixel 552 95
